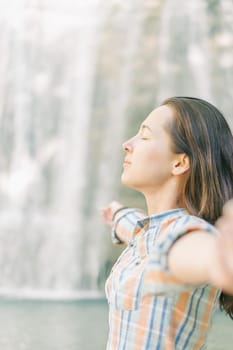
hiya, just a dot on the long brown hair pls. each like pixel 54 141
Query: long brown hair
pixel 200 131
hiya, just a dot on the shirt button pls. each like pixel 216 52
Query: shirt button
pixel 131 243
pixel 138 261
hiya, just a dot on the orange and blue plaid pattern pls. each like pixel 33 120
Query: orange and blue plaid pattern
pixel 148 307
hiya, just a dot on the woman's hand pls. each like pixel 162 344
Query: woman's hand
pixel 224 248
pixel 108 212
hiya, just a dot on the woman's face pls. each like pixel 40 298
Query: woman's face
pixel 149 159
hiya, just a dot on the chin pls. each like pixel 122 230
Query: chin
pixel 124 180
pixel 128 182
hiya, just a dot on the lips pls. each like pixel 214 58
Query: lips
pixel 126 162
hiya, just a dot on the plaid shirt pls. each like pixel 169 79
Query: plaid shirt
pixel 148 307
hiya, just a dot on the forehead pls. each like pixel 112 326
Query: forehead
pixel 159 117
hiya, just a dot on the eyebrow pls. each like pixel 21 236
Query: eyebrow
pixel 144 126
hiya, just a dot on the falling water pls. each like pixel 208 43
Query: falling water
pixel 44 182
pixel 76 78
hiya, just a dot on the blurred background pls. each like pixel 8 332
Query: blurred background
pixel 76 79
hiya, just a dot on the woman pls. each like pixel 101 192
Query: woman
pixel 166 284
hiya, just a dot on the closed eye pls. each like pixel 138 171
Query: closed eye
pixel 145 132
pixel 144 135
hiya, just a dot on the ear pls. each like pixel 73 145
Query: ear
pixel 181 164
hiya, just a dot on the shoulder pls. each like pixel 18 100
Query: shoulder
pixel 192 223
pixel 181 225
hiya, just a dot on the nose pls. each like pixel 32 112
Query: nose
pixel 127 146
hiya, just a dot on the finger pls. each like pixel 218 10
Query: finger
pixel 106 215
pixel 115 205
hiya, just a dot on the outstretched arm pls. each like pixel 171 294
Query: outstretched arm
pixel 122 219
pixel 201 257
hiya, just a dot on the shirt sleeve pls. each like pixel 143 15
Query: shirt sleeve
pixel 157 277
pixel 125 221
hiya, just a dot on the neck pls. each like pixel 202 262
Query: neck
pixel 163 199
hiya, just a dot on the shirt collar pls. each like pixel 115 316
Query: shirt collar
pixel 155 219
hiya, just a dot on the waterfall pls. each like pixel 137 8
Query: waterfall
pixel 43 183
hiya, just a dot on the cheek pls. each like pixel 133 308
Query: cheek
pixel 156 161
pixel 152 156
